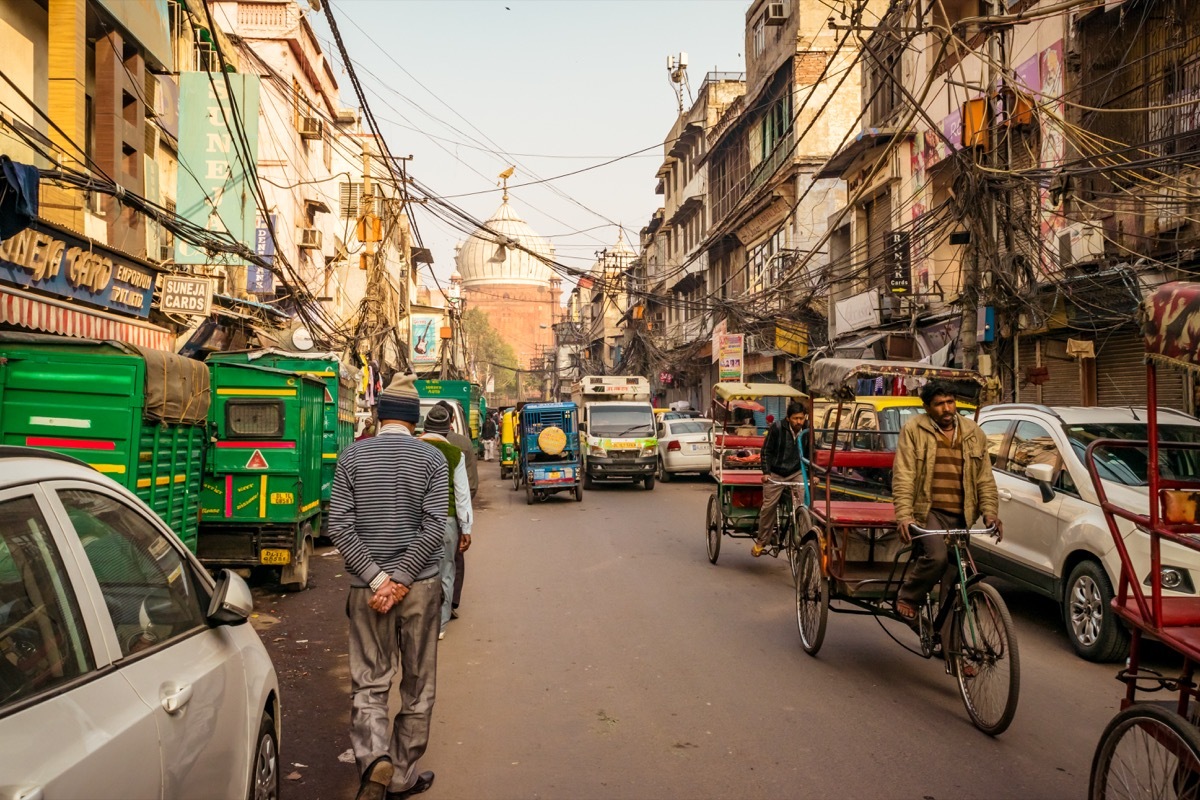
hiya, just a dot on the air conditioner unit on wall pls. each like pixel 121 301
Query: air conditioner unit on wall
pixel 310 237
pixel 310 128
pixel 1080 243
pixel 889 307
pixel 775 14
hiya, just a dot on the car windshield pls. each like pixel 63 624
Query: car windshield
pixel 690 426
pixel 1129 466
pixel 619 421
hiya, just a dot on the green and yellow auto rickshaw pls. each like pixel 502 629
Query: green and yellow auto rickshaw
pixel 508 444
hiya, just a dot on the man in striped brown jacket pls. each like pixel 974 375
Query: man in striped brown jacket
pixel 942 480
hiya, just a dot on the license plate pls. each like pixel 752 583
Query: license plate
pixel 699 448
pixel 624 446
pixel 274 556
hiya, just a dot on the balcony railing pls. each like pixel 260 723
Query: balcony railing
pixel 782 154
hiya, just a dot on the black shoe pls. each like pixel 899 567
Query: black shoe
pixel 454 613
pixel 424 781
pixel 375 780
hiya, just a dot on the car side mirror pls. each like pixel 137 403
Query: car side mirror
pixel 1043 476
pixel 232 602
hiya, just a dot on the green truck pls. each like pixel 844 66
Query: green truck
pixel 261 503
pixel 135 414
pixel 341 388
pixel 469 397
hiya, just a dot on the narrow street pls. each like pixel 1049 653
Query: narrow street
pixel 600 655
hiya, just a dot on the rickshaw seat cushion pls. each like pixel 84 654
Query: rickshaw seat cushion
pixel 1177 612
pixel 855 458
pixel 856 513
pixel 729 441
pixel 749 477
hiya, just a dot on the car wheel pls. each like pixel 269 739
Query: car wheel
pixel 264 780
pixel 648 482
pixel 663 475
pixel 1093 628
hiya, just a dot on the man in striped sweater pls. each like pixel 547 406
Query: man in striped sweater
pixel 387 516
pixel 942 480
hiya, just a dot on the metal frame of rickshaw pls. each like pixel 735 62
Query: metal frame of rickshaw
pixel 733 508
pixel 1174 621
pixel 873 591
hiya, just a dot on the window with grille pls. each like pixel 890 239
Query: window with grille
pixel 245 418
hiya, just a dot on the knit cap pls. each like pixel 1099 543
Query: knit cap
pixel 399 401
pixel 438 419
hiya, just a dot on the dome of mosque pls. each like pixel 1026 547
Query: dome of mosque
pixel 486 258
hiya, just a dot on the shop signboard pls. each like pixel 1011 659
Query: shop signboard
pixel 215 189
pixel 732 358
pixel 792 339
pixel 186 295
pixel 260 280
pixel 52 260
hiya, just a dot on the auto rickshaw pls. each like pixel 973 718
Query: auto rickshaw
pixel 548 451
pixel 508 444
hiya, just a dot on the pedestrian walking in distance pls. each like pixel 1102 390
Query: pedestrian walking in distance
pixel 458 518
pixel 387 516
pixel 942 480
pixel 489 438
pixel 464 444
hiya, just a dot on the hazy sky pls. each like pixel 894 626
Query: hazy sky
pixel 559 84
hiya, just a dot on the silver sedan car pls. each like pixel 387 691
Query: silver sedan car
pixel 125 670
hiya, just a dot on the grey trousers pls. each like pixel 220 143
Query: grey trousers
pixel 405 638
pixel 771 494
pixel 930 562
pixel 448 569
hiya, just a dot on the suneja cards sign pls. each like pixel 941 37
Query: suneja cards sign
pixel 57 262
pixel 186 295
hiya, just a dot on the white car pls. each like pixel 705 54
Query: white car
pixel 125 670
pixel 458 423
pixel 1056 539
pixel 684 446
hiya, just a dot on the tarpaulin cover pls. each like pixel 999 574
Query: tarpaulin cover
pixel 750 391
pixel 177 388
pixel 1170 318
pixel 18 196
pixel 831 377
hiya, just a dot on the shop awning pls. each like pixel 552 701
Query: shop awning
pixel 38 313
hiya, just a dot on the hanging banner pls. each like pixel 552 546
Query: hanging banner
pixel 732 358
pixel 260 280
pixel 214 181
pixel 425 339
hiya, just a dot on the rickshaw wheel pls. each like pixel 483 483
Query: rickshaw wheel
pixel 1146 751
pixel 713 528
pixel 986 662
pixel 516 476
pixel 528 494
pixel 812 598
pixel 578 493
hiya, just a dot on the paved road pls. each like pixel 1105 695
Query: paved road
pixel 600 655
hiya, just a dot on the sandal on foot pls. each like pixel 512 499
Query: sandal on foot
pixel 906 610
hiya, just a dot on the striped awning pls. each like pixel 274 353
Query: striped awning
pixel 40 313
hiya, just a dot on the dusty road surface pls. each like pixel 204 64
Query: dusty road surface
pixel 600 655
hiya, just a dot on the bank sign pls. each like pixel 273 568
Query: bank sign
pixel 56 262
pixel 214 180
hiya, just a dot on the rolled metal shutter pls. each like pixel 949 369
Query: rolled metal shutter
pixel 1121 373
pixel 879 223
pixel 1063 387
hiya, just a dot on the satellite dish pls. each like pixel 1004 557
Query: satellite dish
pixel 302 339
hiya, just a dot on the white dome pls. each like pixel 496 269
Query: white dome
pixel 483 258
pixel 616 258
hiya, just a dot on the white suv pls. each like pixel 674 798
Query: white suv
pixel 1056 539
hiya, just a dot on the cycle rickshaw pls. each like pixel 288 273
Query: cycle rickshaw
pixel 1152 749
pixel 741 414
pixel 853 561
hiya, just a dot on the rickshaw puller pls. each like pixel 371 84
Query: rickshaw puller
pixel 942 475
pixel 781 465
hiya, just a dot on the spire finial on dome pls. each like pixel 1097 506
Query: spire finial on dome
pixel 504 176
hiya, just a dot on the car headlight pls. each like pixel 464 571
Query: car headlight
pixel 1176 579
pixel 596 450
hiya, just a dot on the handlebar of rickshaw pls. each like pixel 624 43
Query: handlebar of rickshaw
pixel 919 531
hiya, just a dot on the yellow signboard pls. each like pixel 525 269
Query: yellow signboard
pixel 792 339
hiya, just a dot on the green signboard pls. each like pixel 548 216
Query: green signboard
pixel 214 182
